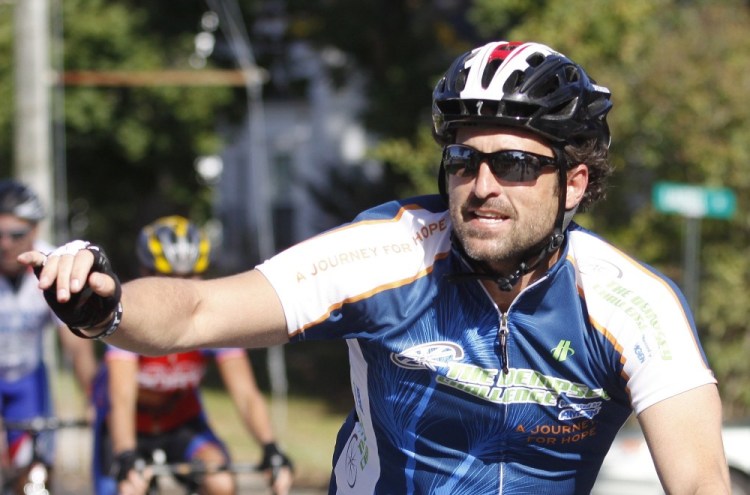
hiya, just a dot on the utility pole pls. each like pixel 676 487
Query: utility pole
pixel 32 139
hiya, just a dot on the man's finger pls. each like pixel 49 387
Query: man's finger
pixel 80 269
pixel 32 258
pixel 102 284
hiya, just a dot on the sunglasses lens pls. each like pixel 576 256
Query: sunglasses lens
pixel 459 160
pixel 515 166
pixel 15 235
pixel 509 165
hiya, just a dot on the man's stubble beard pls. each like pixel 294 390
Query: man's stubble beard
pixel 503 254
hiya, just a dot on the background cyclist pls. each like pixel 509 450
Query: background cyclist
pixel 144 403
pixel 24 318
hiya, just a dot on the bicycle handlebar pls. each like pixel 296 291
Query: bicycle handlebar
pixel 40 424
pixel 196 468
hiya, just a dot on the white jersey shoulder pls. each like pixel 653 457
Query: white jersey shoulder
pixel 645 318
pixel 356 261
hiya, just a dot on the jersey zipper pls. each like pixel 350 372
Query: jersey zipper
pixel 504 342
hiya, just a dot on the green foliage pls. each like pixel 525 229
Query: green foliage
pixel 400 46
pixel 6 89
pixel 417 162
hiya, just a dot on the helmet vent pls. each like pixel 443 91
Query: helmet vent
pixel 571 74
pixel 519 110
pixel 535 59
pixel 548 87
pixel 489 72
pixel 514 81
pixel 460 83
pixel 562 111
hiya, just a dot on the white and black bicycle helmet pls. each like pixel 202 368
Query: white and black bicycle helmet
pixel 173 246
pixel 19 200
pixel 526 85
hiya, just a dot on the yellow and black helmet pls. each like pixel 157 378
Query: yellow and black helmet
pixel 173 246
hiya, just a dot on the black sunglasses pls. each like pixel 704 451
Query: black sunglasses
pixel 511 165
pixel 15 235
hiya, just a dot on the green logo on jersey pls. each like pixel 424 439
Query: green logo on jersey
pixel 562 351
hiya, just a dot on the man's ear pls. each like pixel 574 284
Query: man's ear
pixel 578 180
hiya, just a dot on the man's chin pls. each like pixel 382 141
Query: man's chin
pixel 10 267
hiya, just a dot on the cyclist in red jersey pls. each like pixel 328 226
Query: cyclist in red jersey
pixel 146 403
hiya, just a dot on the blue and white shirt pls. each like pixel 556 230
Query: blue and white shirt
pixel 24 317
pixel 600 336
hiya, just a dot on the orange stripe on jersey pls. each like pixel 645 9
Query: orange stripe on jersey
pixel 370 293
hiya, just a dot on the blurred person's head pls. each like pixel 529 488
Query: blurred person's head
pixel 173 246
pixel 20 213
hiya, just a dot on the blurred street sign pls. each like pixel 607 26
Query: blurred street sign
pixel 694 201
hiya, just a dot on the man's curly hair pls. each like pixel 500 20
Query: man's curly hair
pixel 596 157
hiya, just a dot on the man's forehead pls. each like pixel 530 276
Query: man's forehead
pixel 501 134
pixel 10 220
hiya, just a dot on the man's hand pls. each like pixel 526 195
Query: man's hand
pixel 70 271
pixel 128 470
pixel 80 287
pixel 278 468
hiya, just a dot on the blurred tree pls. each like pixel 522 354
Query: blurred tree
pixel 6 89
pixel 400 45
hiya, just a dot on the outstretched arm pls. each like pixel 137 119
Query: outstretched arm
pixel 238 311
pixel 684 436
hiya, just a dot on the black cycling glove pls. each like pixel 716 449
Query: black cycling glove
pixel 124 463
pixel 87 309
pixel 274 460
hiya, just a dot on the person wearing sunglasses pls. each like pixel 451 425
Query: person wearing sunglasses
pixel 495 346
pixel 149 403
pixel 25 318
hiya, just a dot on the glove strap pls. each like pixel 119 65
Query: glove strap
pixel 124 463
pixel 114 322
pixel 274 460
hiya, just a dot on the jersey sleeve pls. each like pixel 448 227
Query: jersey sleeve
pixel 386 248
pixel 646 318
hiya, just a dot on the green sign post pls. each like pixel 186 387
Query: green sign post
pixel 693 203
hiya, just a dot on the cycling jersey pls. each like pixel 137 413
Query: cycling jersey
pixel 452 395
pixel 24 387
pixel 24 316
pixel 171 383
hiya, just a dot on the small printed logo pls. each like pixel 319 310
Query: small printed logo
pixel 599 266
pixel 562 351
pixel 639 353
pixel 432 355
pixel 584 410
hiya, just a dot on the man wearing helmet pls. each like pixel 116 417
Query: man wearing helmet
pixel 146 403
pixel 24 317
pixel 495 346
